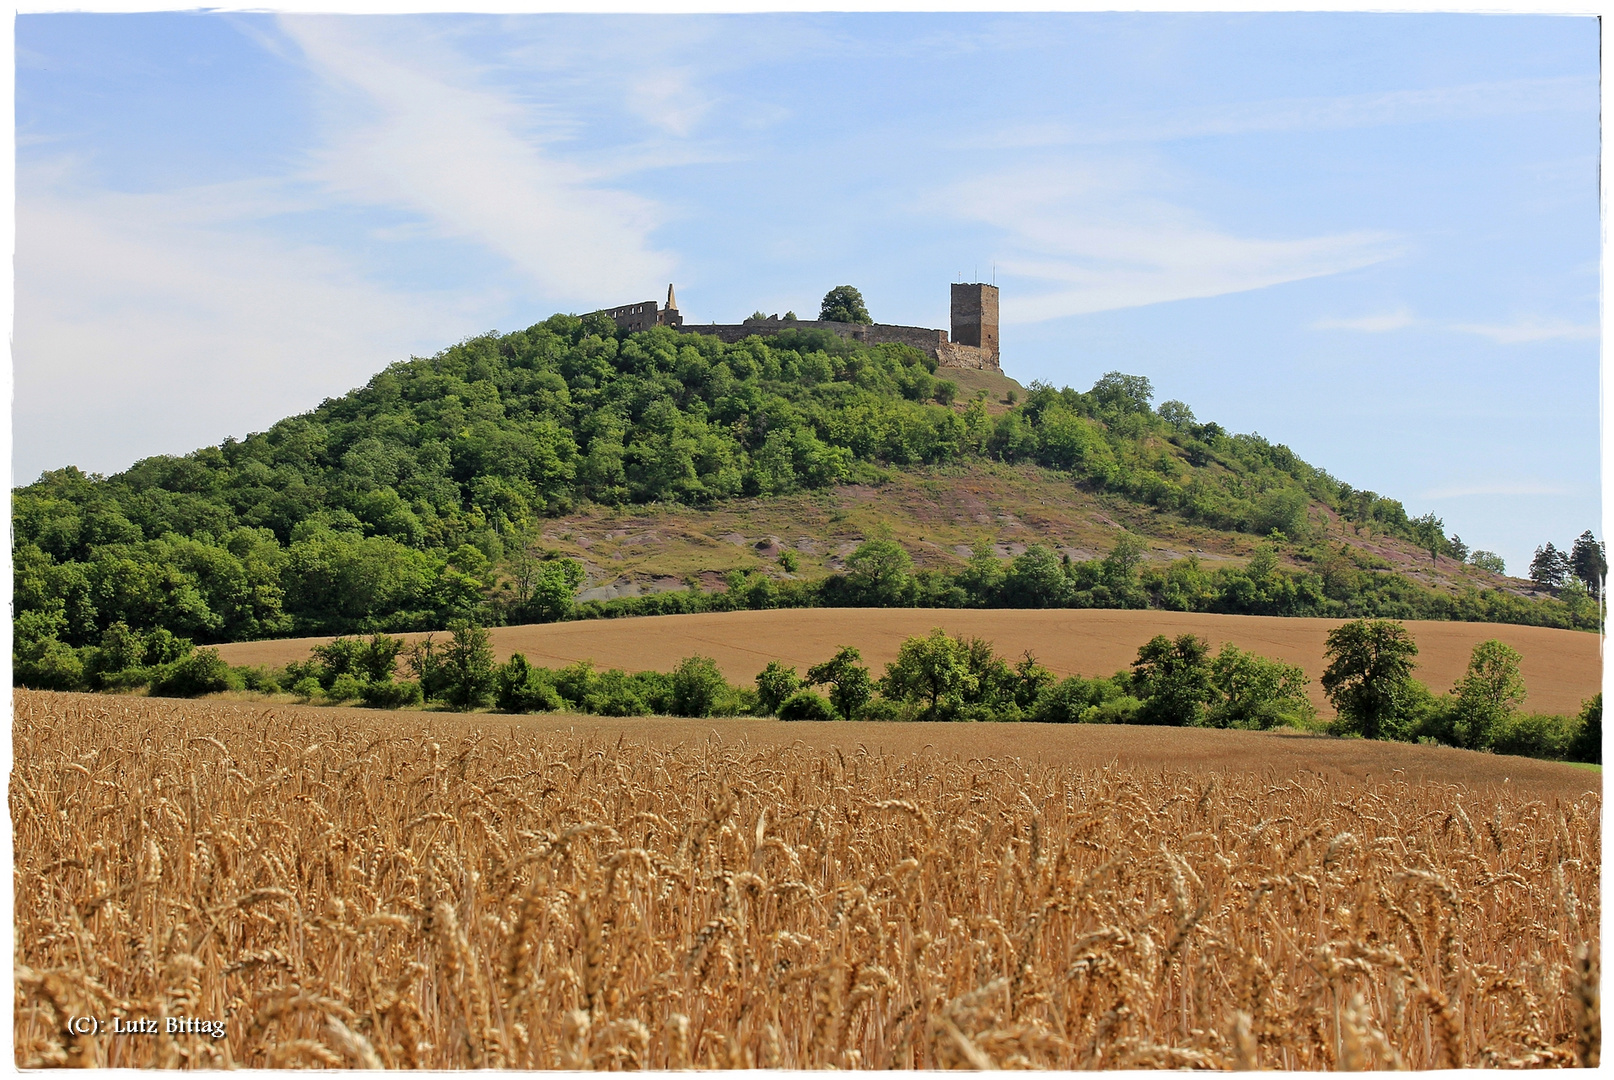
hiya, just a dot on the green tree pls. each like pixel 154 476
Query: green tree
pixel 1036 579
pixel 1369 670
pixel 1588 562
pixel 521 688
pixel 1122 394
pixel 1489 561
pixel 982 576
pixel 554 590
pixel 844 304
pixel 932 671
pixel 468 670
pixel 1174 680
pixel 1487 695
pixel 1254 692
pixel 849 684
pixel 1588 741
pixel 698 687
pixel 1177 414
pixel 775 684
pixel 881 573
pixel 1120 566
pixel 1430 532
pixel 1550 567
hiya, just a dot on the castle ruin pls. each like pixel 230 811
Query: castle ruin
pixel 973 344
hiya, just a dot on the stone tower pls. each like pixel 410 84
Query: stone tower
pixel 975 317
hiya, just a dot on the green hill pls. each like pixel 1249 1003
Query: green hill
pixel 457 486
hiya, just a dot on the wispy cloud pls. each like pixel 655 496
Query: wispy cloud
pixel 1522 487
pixel 155 323
pixel 1472 100
pixel 1528 330
pixel 1370 324
pixel 1094 241
pixel 477 165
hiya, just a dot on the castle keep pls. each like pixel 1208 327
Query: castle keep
pixel 974 341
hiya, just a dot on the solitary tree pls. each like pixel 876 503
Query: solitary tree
pixel 1174 680
pixel 1549 567
pixel 468 670
pixel 1430 532
pixel 1589 562
pixel 775 685
pixel 933 670
pixel 843 303
pixel 1177 414
pixel 1487 694
pixel 881 572
pixel 1121 564
pixel 1369 671
pixel 1122 393
pixel 849 684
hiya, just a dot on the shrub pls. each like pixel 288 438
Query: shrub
pixel 1118 710
pixel 1064 702
pixel 521 688
pixel 202 672
pixel 387 694
pixel 806 705
pixel 1588 742
pixel 306 687
pixel 1256 693
pixel 258 678
pixel 345 687
pixel 1537 735
pixel 53 666
pixel 697 687
pixel 775 684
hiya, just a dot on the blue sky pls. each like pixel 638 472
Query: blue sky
pixel 1371 237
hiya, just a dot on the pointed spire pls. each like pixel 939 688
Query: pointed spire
pixel 672 301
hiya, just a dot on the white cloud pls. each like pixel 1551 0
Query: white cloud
pixel 1096 242
pixel 476 165
pixel 667 98
pixel 157 323
pixel 1527 330
pixel 1370 324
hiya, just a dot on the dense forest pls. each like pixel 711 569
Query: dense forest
pixel 414 500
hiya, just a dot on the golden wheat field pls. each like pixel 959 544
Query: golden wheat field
pixel 1561 668
pixel 335 887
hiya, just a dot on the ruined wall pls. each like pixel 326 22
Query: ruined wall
pixel 965 356
pixel 877 334
pixel 933 343
pixel 974 342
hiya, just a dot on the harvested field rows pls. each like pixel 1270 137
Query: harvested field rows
pixel 1561 668
pixel 349 887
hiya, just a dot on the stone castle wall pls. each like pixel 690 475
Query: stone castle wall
pixel 933 343
pixel 974 342
pixel 919 337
